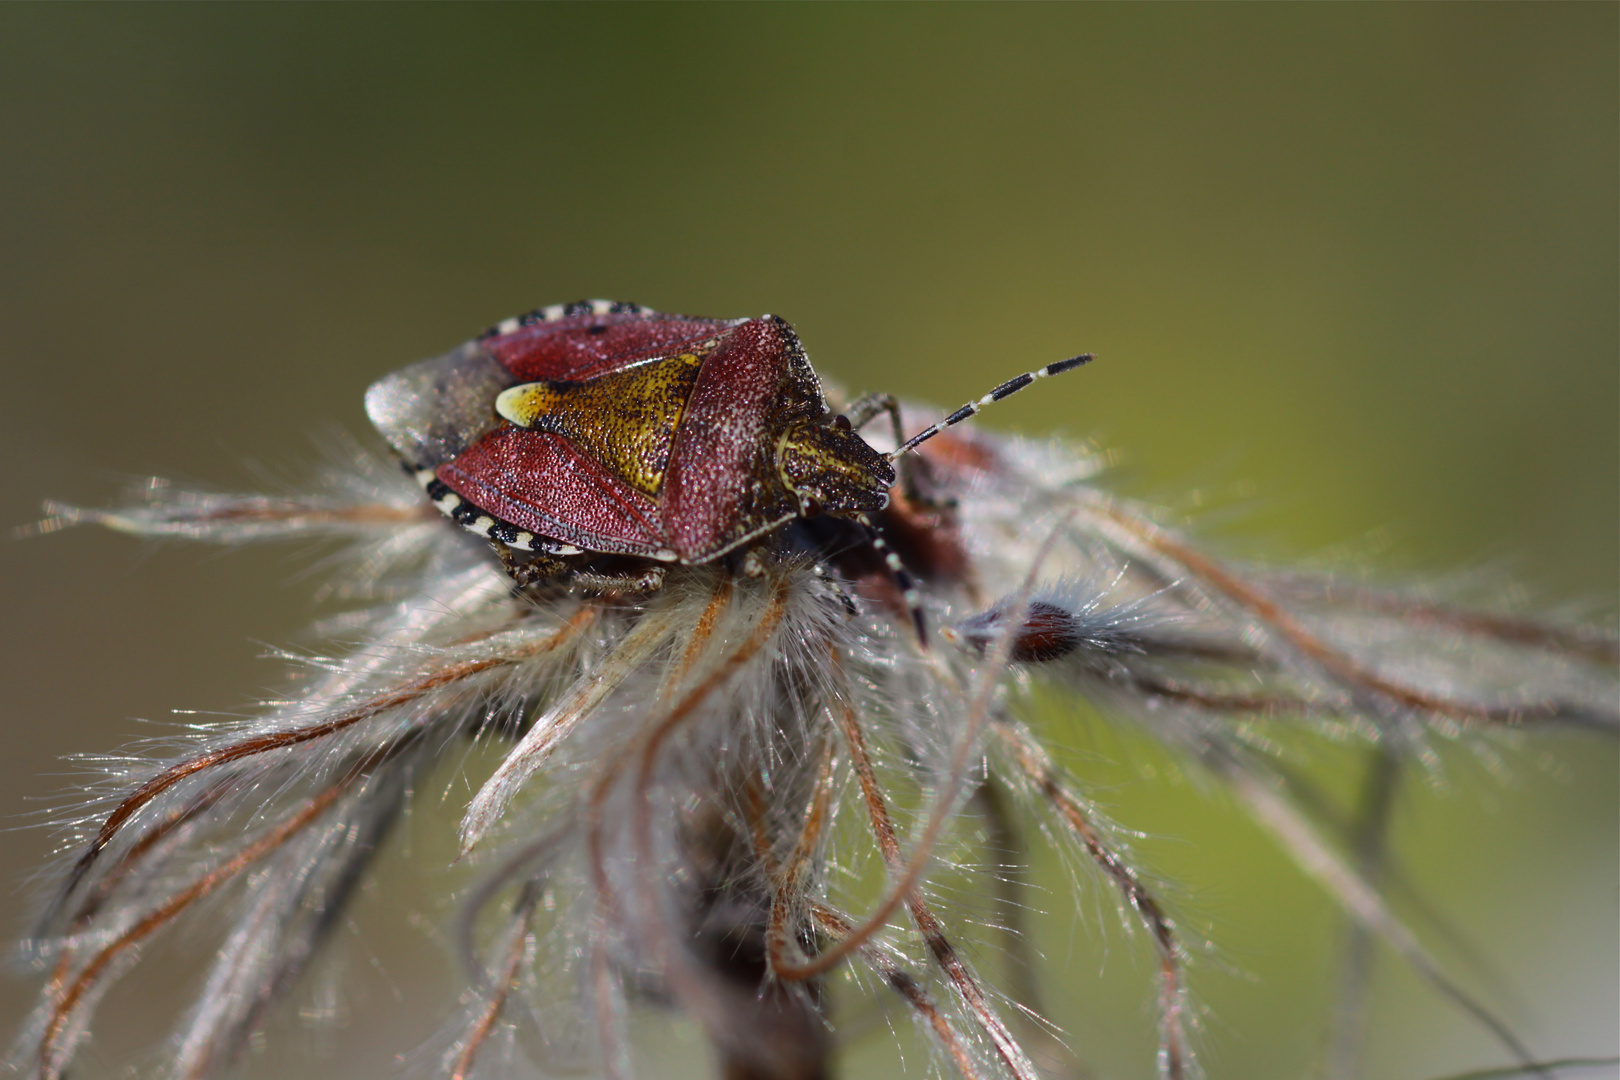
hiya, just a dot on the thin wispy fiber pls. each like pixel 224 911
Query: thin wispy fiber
pixel 752 801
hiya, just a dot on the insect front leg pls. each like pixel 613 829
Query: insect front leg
pixel 861 413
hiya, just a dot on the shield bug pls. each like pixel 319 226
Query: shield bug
pixel 606 441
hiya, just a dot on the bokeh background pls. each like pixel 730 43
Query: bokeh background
pixel 1353 266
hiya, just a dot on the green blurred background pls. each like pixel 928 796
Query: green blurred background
pixel 1362 257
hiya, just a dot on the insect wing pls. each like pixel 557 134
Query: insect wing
pixel 544 483
pixel 433 410
pixel 719 490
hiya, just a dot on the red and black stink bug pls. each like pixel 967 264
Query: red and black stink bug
pixel 602 429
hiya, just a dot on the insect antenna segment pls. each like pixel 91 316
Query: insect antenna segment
pixel 897 570
pixel 1006 389
pixel 909 593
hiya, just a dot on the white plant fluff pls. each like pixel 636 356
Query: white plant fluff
pixel 733 798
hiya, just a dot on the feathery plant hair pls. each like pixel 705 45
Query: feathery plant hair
pixel 734 797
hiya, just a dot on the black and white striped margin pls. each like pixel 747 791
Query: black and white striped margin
pixel 564 311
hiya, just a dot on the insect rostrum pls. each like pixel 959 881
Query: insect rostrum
pixel 735 764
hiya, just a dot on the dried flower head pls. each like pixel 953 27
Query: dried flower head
pixel 737 796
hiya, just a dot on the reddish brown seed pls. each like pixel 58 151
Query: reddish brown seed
pixel 1047 632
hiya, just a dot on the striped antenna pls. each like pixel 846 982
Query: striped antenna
pixel 1006 389
pixel 909 593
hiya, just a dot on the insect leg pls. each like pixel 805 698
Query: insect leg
pixel 862 412
pixel 532 571
pixel 570 571
pixel 635 582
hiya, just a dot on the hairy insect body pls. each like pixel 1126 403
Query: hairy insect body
pixel 603 429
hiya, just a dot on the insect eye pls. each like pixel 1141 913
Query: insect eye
pixel 841 422
pixel 599 328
